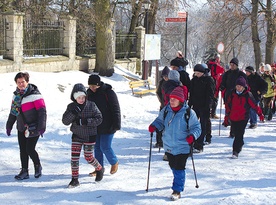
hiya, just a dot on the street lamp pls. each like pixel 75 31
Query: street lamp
pixel 146 4
pixel 145 71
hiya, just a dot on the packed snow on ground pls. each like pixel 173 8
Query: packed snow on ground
pixel 248 180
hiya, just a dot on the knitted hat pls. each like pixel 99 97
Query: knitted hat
pixel 241 81
pixel 174 75
pixel 94 80
pixel 79 93
pixel 199 68
pixel 175 62
pixel 262 64
pixel 165 71
pixel 249 69
pixel 178 93
pixel 235 61
pixel 267 67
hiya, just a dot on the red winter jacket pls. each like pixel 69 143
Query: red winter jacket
pixel 238 106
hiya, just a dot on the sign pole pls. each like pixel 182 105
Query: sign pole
pixel 186 35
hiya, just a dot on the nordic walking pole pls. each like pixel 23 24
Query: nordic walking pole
pixel 151 135
pixel 196 186
pixel 220 112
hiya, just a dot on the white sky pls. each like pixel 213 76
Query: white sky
pixel 249 180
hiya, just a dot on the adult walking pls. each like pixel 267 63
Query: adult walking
pixel 28 110
pixel 180 129
pixel 258 87
pixel 106 100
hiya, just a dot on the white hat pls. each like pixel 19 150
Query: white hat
pixel 79 93
pixel 267 67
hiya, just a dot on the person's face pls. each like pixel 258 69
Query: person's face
pixel 233 66
pixel 262 69
pixel 174 102
pixel 94 88
pixel 21 83
pixel 239 88
pixel 165 77
pixel 198 74
pixel 174 67
pixel 81 99
pixel 247 73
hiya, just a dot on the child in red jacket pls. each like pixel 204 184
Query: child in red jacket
pixel 237 108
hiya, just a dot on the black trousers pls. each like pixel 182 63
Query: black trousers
pixel 238 128
pixel 27 148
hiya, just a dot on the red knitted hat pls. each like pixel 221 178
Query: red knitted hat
pixel 178 93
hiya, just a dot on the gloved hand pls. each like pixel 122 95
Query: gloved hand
pixel 261 117
pixel 41 132
pixel 152 128
pixel 8 131
pixel 226 121
pixel 75 109
pixel 190 139
pixel 81 121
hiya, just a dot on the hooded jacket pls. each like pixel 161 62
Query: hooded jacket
pixel 89 111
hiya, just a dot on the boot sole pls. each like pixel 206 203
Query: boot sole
pixel 19 178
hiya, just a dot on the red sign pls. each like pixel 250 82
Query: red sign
pixel 175 20
pixel 181 14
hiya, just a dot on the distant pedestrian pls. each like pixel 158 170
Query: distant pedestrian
pixel 84 117
pixel 178 136
pixel 175 64
pixel 237 106
pixel 258 87
pixel 183 62
pixel 201 97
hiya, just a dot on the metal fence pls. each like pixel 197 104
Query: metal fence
pixel 126 45
pixel 2 35
pixel 43 38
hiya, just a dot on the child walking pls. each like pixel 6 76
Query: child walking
pixel 84 117
pixel 180 129
pixel 237 108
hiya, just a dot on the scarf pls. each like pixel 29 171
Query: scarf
pixel 16 103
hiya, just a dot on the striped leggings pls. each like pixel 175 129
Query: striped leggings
pixel 88 149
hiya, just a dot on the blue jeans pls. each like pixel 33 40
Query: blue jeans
pixel 253 116
pixel 103 146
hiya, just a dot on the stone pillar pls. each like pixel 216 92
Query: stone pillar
pixel 14 38
pixel 69 38
pixel 140 48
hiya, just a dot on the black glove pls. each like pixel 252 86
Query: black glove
pixel 75 109
pixel 81 121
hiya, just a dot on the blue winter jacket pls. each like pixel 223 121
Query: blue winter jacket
pixel 175 131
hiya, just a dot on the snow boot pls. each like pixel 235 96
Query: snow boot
pixel 73 183
pixel 38 169
pixel 175 195
pixel 235 155
pixel 23 174
pixel 99 175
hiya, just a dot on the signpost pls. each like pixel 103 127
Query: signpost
pixel 182 17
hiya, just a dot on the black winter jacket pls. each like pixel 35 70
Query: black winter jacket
pixel 257 83
pixel 107 102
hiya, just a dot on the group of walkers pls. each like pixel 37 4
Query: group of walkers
pixel 187 105
pixel 93 115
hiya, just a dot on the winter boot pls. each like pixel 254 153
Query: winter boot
pixel 99 175
pixel 175 195
pixel 38 169
pixel 73 183
pixel 23 174
pixel 114 168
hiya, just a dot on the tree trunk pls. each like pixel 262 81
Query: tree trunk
pixel 104 39
pixel 255 34
pixel 270 43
